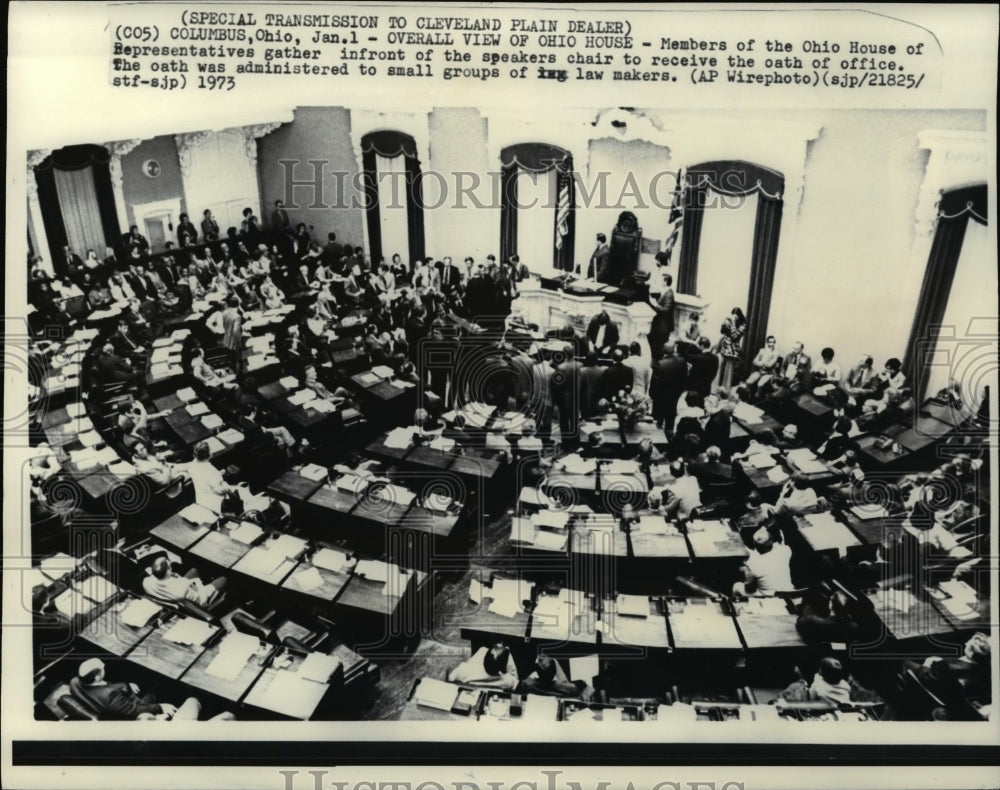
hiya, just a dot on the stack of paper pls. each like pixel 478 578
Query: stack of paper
pixel 438 503
pixel 309 579
pixel 187 395
pixel 75 409
pixel 633 605
pixel 475 420
pixel 747 413
pixel 57 566
pixel 806 461
pixel 654 525
pixel 230 436
pixel 442 444
pixel 534 497
pixel 868 512
pixel 400 438
pixel 72 603
pixel 235 651
pixel 396 580
pixel 319 667
pixel 321 405
pixel 375 570
pixel 824 520
pixel 552 541
pixel 776 474
pixel 247 532
pixel 189 631
pixel 397 495
pixel 383 371
pixel 522 530
pixel 90 439
pixel 106 455
pixel 261 561
pixel 96 588
pixel 289 382
pixel 553 519
pixel 197 408
pixel 353 483
pixel 330 560
pixel 197 514
pixel 313 472
pixel 539 708
pixel 287 545
pixel 212 421
pixel 139 612
pixel 760 461
pixel 576 465
pixel 901 600
pixel 437 694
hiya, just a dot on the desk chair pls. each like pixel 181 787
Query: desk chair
pixel 75 710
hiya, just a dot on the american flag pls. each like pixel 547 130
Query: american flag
pixel 562 210
pixel 676 219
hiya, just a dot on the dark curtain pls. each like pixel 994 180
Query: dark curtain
pixel 391 144
pixel 954 211
pixel 538 158
pixel 737 178
pixel 77 157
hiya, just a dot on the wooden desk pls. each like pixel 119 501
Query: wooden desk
pixel 331 498
pixel 575 625
pixel 366 595
pixel 918 621
pixel 328 592
pixel 99 482
pixel 218 547
pixel 284 691
pixel 700 623
pixel 293 487
pixel 926 432
pixel 716 541
pixel 380 449
pixel 386 512
pixel 647 546
pixel 828 535
pixel 475 464
pixel 632 631
pixel 109 633
pixel 981 622
pixel 245 565
pixel 197 675
pixel 419 519
pixel 943 413
pixel 480 626
pixel 767 623
pixel 165 657
pixel 179 532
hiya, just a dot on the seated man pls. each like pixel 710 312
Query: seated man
pixel 767 569
pixel 789 439
pixel 550 680
pixel 115 701
pixel 711 469
pixel 206 375
pixel 758 512
pixel 488 667
pixel 125 343
pixel 793 378
pixel 968 675
pixel 861 380
pixel 890 388
pixel 683 494
pixel 764 365
pixel 160 472
pixel 114 369
pixel 164 584
pixel 796 497
pixel 831 684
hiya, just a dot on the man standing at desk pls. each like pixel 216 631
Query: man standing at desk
pixel 597 269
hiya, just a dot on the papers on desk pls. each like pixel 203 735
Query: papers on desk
pixel 554 519
pixel 235 650
pixel 139 612
pixel 286 545
pixel 159 355
pixel 584 668
pixel 159 370
pixel 197 408
pixel 777 475
pixel 72 602
pixel 655 525
pixel 198 514
pixel 57 566
pixel 824 520
pixel 869 512
pixel 90 439
pixel 747 413
pixel 189 631
pixel 321 405
pixel 400 384
pixel 400 438
pixel 759 461
pixel 309 579
pixel 764 606
pixel 475 420
pixel 900 600
pixel 375 570
pixel 212 421
pixel 475 591
pixel 187 395
pixel 84 459
pixel 633 606
pixel 230 436
pixel 539 708
pixel 509 596
pixel 302 397
pixel 522 530
pixel 438 503
pixel 383 371
pixel 576 465
pixel 553 541
pixel 806 461
pixel 397 495
pixel 107 456
pixel 162 341
pixel 959 590
pixel 442 444
pixel 330 560
pixel 396 581
pixel 438 694
pixel 96 588
pixel 620 467
pixel 75 409
pixel 960 609
pixel 313 472
pixel 319 667
pixel 534 497
pixel 247 532
pixel 353 482
pixel 289 382
pixel 261 561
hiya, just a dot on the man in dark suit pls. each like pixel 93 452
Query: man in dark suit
pixel 69 264
pixel 718 425
pixel 711 469
pixel 449 276
pixel 187 233
pixel 209 227
pixel 113 369
pixel 602 333
pixel 617 377
pixel 794 376
pixel 667 381
pixel 566 395
pixel 332 252
pixel 115 701
pixel 280 223
pixel 597 269
pixel 590 385
pixel 704 367
pixel 126 344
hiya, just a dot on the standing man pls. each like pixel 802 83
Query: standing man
pixel 566 395
pixel 667 382
pixel 598 267
pixel 209 227
pixel 232 332
pixel 280 223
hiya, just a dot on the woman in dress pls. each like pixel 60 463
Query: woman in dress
pixel 730 347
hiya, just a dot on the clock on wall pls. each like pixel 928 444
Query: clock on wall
pixel 151 168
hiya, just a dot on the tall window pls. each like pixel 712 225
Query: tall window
pixel 537 215
pixel 957 297
pixel 77 200
pixel 394 198
pixel 729 244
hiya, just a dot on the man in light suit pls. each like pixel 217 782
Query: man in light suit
pixel 598 267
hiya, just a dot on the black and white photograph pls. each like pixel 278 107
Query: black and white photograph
pixel 492 384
